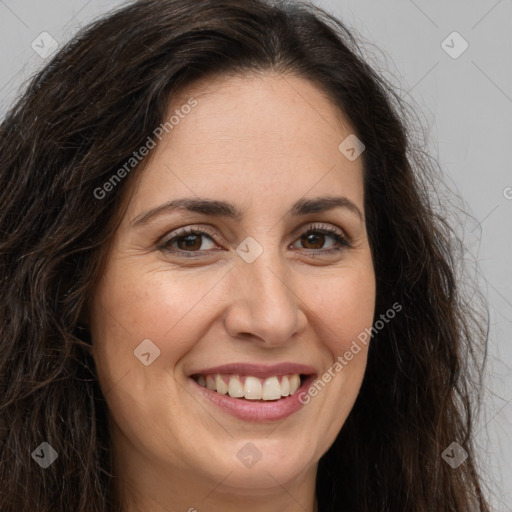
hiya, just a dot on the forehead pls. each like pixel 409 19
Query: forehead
pixel 272 136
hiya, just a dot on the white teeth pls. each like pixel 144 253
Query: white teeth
pixel 285 386
pixel 294 383
pixel 252 388
pixel 235 388
pixel 271 389
pixel 210 382
pixel 222 387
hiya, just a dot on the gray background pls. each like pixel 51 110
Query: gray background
pixel 466 105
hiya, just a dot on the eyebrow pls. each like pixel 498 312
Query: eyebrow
pixel 224 209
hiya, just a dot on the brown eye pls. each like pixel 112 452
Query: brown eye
pixel 313 241
pixel 317 238
pixel 189 242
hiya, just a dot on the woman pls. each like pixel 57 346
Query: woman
pixel 224 285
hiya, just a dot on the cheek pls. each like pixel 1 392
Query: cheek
pixel 135 303
pixel 342 307
pixel 345 304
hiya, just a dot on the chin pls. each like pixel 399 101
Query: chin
pixel 262 464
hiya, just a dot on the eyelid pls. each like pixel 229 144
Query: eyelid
pixel 337 233
pixel 315 226
pixel 186 230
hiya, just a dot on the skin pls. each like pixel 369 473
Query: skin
pixel 262 143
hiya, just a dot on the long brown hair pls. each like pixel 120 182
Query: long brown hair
pixel 82 117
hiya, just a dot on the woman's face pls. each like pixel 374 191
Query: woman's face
pixel 258 290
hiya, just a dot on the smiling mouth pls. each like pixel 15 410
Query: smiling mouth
pixel 246 387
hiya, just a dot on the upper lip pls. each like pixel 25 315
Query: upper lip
pixel 256 370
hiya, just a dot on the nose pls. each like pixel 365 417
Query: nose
pixel 264 305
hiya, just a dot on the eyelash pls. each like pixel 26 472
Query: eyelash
pixel 342 240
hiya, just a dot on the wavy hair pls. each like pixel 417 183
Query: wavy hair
pixel 81 118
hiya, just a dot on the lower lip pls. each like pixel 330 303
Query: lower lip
pixel 253 410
